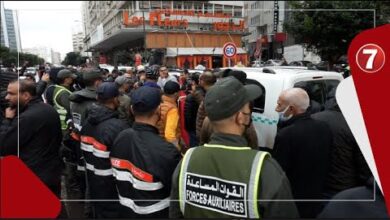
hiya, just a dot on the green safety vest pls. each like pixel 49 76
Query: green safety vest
pixel 60 109
pixel 218 181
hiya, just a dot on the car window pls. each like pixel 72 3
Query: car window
pixel 329 86
pixel 315 91
pixel 318 91
pixel 258 104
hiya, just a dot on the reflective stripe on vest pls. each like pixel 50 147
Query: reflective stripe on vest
pixel 60 109
pixel 257 163
pixel 137 184
pixel 80 168
pixel 144 210
pixel 183 170
pixel 137 172
pixel 98 149
pixel 99 172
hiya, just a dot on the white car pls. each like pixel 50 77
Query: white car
pixel 273 63
pixel 107 67
pixel 30 70
pixel 274 80
pixel 178 71
pixel 257 63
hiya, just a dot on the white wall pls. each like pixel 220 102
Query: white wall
pixel 297 53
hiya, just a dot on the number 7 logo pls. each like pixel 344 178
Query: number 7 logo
pixel 370 61
pixel 374 62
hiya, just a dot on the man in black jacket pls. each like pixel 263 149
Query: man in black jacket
pixel 302 148
pixel 75 182
pixel 142 161
pixel 5 78
pixel 39 133
pixel 191 106
pixel 364 202
pixel 348 168
pixel 97 137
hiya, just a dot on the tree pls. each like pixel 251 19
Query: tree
pixel 9 58
pixel 329 33
pixel 74 59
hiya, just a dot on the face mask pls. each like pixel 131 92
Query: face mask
pixel 284 118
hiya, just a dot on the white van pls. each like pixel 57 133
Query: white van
pixel 273 80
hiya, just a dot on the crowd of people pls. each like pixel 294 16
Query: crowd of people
pixel 141 143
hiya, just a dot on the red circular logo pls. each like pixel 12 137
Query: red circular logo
pixel 370 58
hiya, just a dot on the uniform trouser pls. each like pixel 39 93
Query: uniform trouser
pixel 76 190
pixel 75 181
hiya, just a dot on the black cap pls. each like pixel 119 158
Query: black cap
pixel 227 97
pixel 171 87
pixel 107 90
pixel 90 74
pixel 120 80
pixel 238 74
pixel 145 99
pixel 65 73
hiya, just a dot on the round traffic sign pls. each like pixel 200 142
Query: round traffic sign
pixel 229 50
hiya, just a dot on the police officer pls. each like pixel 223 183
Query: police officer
pixel 79 102
pixel 99 131
pixel 226 178
pixel 61 95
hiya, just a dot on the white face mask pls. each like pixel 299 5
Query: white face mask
pixel 282 117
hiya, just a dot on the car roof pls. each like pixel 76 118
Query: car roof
pixel 283 72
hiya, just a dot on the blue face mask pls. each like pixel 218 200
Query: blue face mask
pixel 282 117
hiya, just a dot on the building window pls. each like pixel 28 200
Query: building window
pixel 217 9
pixel 144 5
pixel 237 11
pixel 227 9
pixel 198 7
pixel 155 5
pixel 166 4
pixel 178 5
pixel 208 8
pixel 187 5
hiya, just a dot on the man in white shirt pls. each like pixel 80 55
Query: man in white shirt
pixel 165 77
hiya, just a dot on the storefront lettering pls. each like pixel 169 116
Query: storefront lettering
pixel 228 26
pixel 156 19
pixel 192 13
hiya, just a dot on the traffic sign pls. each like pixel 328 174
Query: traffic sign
pixel 229 50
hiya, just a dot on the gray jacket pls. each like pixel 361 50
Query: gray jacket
pixel 79 102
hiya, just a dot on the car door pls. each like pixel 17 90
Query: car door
pixel 318 91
